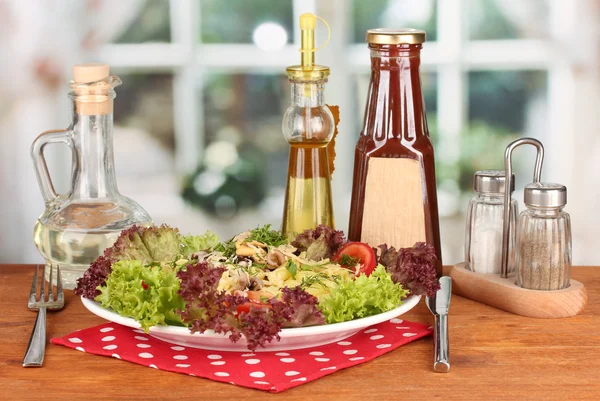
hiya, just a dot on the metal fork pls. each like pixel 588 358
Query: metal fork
pixel 34 356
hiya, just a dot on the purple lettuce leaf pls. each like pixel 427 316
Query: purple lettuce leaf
pixel 304 310
pixel 94 277
pixel 414 268
pixel 209 309
pixel 319 243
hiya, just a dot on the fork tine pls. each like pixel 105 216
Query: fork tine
pixel 42 289
pixel 33 291
pixel 50 287
pixel 59 289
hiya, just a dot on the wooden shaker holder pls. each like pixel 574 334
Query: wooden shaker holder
pixel 501 291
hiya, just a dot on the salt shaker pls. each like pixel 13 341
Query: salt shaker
pixel 544 238
pixel 483 234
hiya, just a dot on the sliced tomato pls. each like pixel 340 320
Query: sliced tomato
pixel 245 307
pixel 360 252
pixel 256 299
pixel 259 297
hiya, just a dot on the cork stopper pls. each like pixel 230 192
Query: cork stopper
pixel 86 73
pixel 92 85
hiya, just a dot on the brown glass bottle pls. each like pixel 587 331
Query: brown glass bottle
pixel 394 199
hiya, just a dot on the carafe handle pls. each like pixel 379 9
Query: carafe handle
pixel 39 161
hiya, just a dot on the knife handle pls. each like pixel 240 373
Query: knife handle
pixel 441 345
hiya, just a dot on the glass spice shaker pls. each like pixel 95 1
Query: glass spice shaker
pixel 483 234
pixel 544 239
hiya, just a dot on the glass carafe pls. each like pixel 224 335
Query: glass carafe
pixel 76 227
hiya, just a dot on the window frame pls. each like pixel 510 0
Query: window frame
pixel 453 56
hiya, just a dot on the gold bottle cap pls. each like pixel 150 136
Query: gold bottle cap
pixel 385 36
pixel 307 70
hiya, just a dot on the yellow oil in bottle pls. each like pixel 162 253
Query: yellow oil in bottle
pixel 308 194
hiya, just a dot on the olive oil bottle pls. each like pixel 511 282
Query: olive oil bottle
pixel 308 126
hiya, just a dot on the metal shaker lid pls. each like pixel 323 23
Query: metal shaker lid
pixel 490 182
pixel 545 194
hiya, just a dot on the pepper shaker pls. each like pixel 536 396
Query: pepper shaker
pixel 544 239
pixel 483 234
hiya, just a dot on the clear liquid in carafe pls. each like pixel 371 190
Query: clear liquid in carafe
pixel 75 234
pixel 72 250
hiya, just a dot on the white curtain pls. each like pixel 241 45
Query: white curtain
pixel 40 40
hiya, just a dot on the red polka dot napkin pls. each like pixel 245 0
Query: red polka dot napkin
pixel 269 371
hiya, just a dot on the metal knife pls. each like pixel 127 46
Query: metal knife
pixel 438 305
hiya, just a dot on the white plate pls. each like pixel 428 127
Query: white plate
pixel 291 339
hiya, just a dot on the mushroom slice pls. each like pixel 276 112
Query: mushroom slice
pixel 241 279
pixel 255 283
pixel 200 255
pixel 275 259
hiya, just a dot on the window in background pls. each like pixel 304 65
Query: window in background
pixel 151 25
pixel 246 110
pixel 145 101
pixel 421 14
pixel 478 104
pixel 246 155
pixel 508 19
pixel 144 139
pixel 503 105
pixel 236 21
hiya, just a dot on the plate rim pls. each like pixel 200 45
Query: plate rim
pixel 407 304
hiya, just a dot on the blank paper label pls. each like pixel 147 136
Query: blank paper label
pixel 393 209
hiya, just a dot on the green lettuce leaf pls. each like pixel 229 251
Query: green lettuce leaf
pixel 365 296
pixel 148 294
pixel 163 243
pixel 318 250
pixel 195 243
pixel 129 246
pixel 148 244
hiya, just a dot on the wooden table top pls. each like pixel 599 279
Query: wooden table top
pixel 495 356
